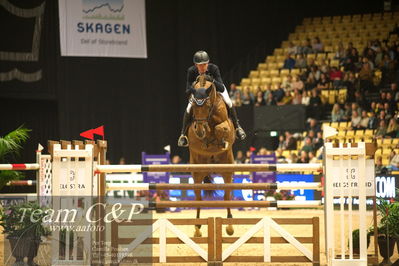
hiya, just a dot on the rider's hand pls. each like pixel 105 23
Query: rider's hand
pixel 209 78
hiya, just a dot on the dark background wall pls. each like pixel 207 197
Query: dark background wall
pixel 140 101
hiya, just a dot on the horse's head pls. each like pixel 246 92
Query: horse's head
pixel 203 98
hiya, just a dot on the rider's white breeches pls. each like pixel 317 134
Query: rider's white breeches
pixel 225 96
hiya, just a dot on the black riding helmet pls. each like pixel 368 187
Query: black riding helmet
pixel 201 57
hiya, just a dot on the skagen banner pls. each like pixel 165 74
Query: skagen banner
pixel 106 28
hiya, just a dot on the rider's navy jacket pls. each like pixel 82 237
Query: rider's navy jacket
pixel 213 72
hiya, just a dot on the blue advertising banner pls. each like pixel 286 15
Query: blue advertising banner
pixel 300 194
pixel 155 177
pixel 263 177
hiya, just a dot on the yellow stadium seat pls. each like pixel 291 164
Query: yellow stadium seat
pixel 254 73
pixel 395 142
pixel 378 152
pixel 278 51
pixel 386 143
pixel 276 80
pixel 334 125
pixel 265 80
pixel 255 81
pixel 359 133
pixel 245 82
pixel 343 125
pixel 350 133
pixel 386 152
pixel 274 73
pixel 264 73
pixel 262 66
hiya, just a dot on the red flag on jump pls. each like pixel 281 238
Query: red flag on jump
pixel 87 134
pixel 99 131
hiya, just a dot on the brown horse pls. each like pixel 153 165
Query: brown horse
pixel 211 136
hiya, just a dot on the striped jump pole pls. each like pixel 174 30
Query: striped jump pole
pixel 20 166
pixel 21 183
pixel 234 204
pixel 135 168
pixel 233 186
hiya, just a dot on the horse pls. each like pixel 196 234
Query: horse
pixel 211 137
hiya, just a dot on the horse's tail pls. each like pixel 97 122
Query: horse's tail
pixel 209 193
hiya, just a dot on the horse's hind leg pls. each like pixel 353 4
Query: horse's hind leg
pixel 227 196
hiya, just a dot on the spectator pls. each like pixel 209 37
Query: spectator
pixel 237 100
pixel 381 130
pixel 233 91
pixel 290 141
pixel 313 125
pixel 361 101
pixel 297 83
pixel 240 159
pixel 281 142
pixel 341 53
pixel 366 78
pixel 347 112
pixel 336 77
pixel 293 158
pixel 297 98
pixel 337 113
pixel 306 48
pixel 308 146
pixel 318 142
pixel 305 97
pixel 246 98
pixel 278 92
pixel 300 61
pixel 287 99
pixel 259 101
pixel 122 160
pixel 176 159
pixel 323 66
pixel 289 62
pixel 270 99
pixel 372 124
pixel 379 167
pixel 355 121
pixel 323 83
pixel 364 121
pixel 317 46
pixel 287 84
pixel 392 129
pixel 315 105
pixel 394 163
pixel 292 49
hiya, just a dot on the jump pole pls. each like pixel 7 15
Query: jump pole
pixel 232 204
pixel 232 186
pixel 136 168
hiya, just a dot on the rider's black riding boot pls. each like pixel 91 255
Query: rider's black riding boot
pixel 183 140
pixel 239 131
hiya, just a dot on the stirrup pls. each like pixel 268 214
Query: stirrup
pixel 183 141
pixel 240 133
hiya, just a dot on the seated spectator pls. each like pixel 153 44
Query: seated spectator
pixel 297 83
pixel 287 99
pixel 373 121
pixel 310 83
pixel 313 125
pixel 308 146
pixel 347 112
pixel 324 67
pixel 290 141
pixel 247 98
pixel 176 159
pixel 306 48
pixel 392 129
pixel 292 49
pixel 337 113
pixel 278 93
pixel 287 84
pixel 233 91
pixel 270 99
pixel 304 157
pixel 315 73
pixel 289 62
pixel 279 156
pixel 366 78
pixel 392 105
pixel 315 105
pixel 323 83
pixel 381 130
pixel 305 97
pixel 318 142
pixel 293 158
pixel 317 46
pixel 350 82
pixel 240 158
pixel 341 52
pixel 297 98
pixel 364 121
pixel 237 100
pixel 259 101
pixel 336 77
pixel 301 61
pixel 355 121
pixel 388 111
pixel 361 101
pixel 281 142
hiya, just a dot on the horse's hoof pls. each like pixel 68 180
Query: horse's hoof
pixel 230 230
pixel 197 232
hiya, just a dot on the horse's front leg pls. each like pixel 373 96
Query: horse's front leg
pixel 197 180
pixel 227 197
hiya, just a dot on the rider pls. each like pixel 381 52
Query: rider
pixel 202 66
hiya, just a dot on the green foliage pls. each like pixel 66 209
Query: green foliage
pixel 389 223
pixel 23 220
pixel 10 147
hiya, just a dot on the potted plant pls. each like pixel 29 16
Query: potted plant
pixel 388 228
pixel 10 146
pixel 356 240
pixel 24 228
